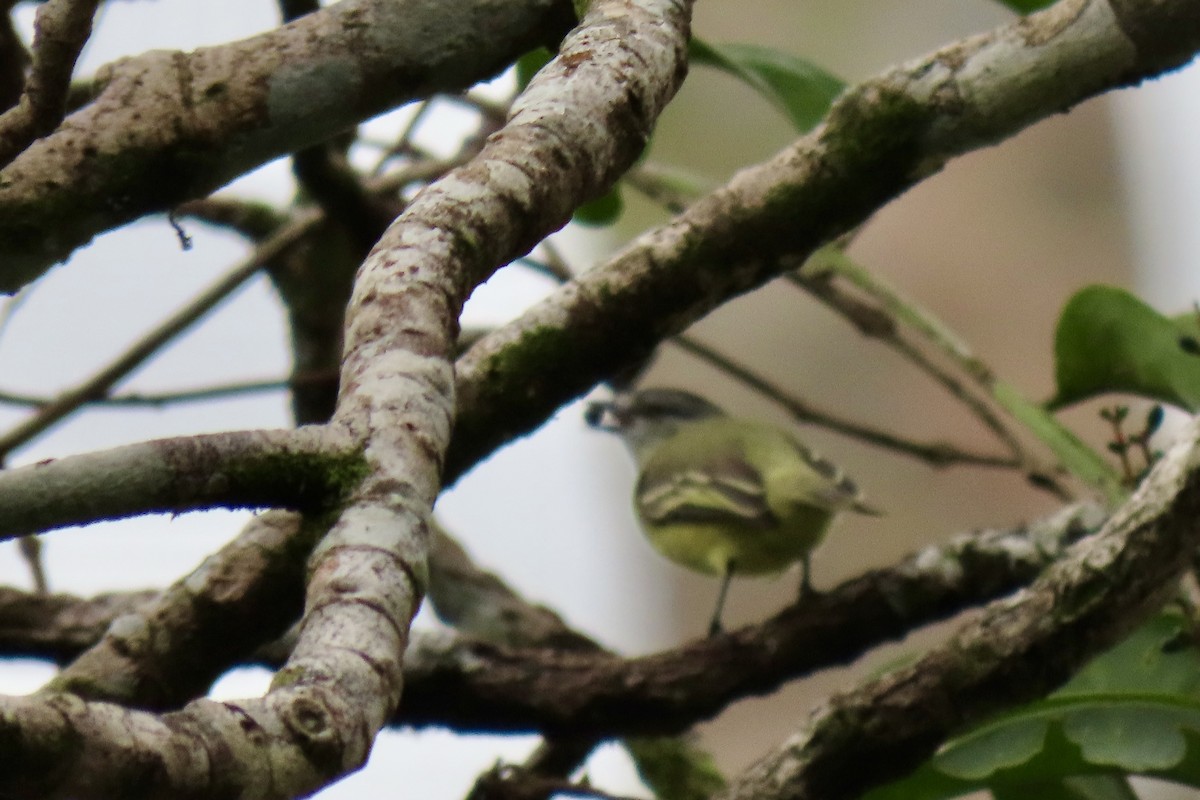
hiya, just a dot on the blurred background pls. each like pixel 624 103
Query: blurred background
pixel 993 245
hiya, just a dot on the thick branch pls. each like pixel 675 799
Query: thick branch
pixel 477 686
pixel 61 29
pixel 168 649
pixel 59 627
pixel 171 126
pixel 881 137
pixel 481 687
pixel 579 124
pixel 305 468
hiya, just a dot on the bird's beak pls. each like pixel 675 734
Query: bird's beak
pixel 604 415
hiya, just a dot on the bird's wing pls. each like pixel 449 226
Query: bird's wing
pixel 834 491
pixel 720 490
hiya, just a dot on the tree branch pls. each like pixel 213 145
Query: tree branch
pixel 249 218
pixel 170 126
pixel 935 454
pixel 180 396
pixel 140 351
pixel 308 468
pixel 880 138
pixel 61 29
pixel 463 683
pixel 162 651
pixel 1017 650
pixel 58 627
pixel 580 123
pixel 477 687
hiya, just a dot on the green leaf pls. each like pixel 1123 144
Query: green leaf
pixel 604 210
pixel 1026 6
pixel 1154 420
pixel 1133 711
pixel 529 64
pixel 1150 740
pixel 1158 658
pixel 1110 341
pixel 801 90
pixel 675 767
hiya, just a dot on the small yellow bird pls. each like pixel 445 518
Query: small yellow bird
pixel 721 495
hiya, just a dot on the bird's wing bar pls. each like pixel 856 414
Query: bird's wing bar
pixel 727 490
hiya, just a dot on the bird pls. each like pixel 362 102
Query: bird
pixel 723 495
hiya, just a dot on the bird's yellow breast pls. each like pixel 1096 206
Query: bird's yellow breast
pixel 712 547
pixel 762 510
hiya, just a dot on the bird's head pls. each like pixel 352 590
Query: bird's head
pixel 644 418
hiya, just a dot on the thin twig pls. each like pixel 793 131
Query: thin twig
pixel 1078 459
pixel 256 221
pixel 495 112
pixel 30 548
pixel 936 454
pixel 421 171
pixel 403 143
pixel 672 189
pixel 879 324
pixel 159 399
pixel 250 218
pixel 100 382
pixel 97 386
pixel 12 306
pixel 553 262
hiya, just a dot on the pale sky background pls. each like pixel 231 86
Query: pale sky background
pixel 561 491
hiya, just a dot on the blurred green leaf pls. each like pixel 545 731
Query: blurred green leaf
pixel 1110 341
pixel 993 748
pixel 1026 6
pixel 1133 711
pixel 675 767
pixel 604 210
pixel 1158 658
pixel 528 65
pixel 803 91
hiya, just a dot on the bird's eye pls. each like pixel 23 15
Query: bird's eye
pixel 594 413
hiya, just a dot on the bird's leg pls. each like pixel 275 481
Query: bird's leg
pixel 714 627
pixel 806 589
